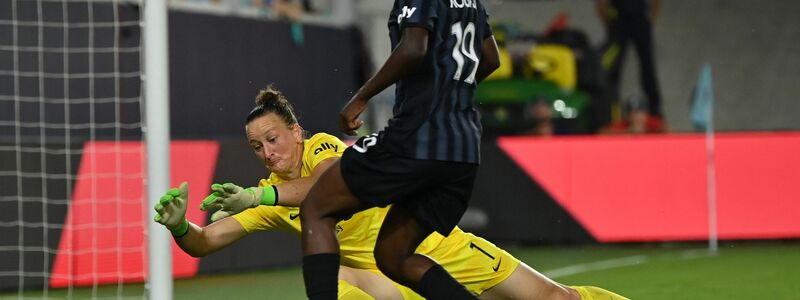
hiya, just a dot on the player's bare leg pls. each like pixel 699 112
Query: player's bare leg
pixel 379 287
pixel 527 283
pixel 327 203
pixel 394 250
pixel 398 239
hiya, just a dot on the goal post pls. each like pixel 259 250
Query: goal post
pixel 84 148
pixel 157 138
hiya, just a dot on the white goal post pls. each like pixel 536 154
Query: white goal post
pixel 84 141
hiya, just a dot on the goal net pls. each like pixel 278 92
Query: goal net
pixel 72 174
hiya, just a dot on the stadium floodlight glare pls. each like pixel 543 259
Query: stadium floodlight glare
pixel 73 207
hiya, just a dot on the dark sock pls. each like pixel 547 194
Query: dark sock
pixel 321 275
pixel 436 283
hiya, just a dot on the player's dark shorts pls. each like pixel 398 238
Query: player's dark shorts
pixel 436 192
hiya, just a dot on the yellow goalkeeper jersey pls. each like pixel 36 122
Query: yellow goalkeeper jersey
pixel 357 235
pixel 473 261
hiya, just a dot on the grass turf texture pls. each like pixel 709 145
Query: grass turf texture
pixel 740 270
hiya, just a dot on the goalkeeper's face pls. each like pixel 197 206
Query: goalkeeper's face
pixel 278 145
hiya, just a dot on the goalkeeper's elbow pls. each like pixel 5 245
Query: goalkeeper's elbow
pixel 196 253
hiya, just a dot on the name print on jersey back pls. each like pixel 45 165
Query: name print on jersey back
pixel 464 3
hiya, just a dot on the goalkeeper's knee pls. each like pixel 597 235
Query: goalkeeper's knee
pixel 350 292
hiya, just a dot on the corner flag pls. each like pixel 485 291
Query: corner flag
pixel 701 112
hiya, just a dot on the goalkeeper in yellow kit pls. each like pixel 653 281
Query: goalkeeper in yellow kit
pixel 295 164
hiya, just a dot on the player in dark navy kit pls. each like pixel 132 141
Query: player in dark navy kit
pixel 424 161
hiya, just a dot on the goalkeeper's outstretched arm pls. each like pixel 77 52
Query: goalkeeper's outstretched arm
pixel 293 192
pixel 230 199
pixel 194 240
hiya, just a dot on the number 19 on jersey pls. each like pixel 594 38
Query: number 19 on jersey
pixel 465 46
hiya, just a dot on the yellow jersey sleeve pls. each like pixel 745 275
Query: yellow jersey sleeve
pixel 319 147
pixel 269 217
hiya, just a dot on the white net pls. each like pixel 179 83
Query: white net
pixel 71 156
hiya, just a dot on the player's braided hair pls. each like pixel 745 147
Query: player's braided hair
pixel 271 100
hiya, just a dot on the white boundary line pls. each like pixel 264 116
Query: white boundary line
pixel 622 262
pixel 596 266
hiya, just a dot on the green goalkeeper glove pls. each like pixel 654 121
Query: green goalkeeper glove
pixel 171 210
pixel 232 199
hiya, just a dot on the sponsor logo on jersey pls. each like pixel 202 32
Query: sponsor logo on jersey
pixel 407 12
pixel 498 265
pixel 326 146
pixel 293 216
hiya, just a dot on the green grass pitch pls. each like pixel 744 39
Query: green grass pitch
pixel 740 270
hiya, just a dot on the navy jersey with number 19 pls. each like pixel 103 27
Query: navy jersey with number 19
pixel 434 116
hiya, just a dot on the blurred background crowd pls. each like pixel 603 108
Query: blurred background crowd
pixel 594 66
